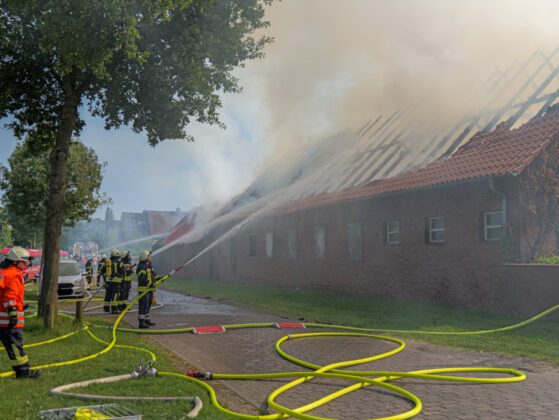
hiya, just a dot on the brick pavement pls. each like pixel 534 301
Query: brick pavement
pixel 252 350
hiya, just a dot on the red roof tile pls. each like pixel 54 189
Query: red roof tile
pixel 498 152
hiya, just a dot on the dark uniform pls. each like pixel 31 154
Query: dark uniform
pixel 89 271
pixel 126 282
pixel 146 281
pixel 101 267
pixel 114 274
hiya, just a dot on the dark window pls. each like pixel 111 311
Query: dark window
pixel 292 244
pixel 320 242
pixel 354 241
pixel 252 245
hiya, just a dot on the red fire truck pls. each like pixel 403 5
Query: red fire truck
pixel 32 272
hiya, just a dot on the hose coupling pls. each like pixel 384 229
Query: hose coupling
pixel 144 370
pixel 199 375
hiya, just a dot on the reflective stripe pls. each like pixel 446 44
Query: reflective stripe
pixel 20 323
pixel 8 314
pixel 19 362
pixel 10 303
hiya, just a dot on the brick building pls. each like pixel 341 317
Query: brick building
pixel 431 234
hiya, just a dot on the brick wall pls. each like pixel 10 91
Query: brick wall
pixel 465 270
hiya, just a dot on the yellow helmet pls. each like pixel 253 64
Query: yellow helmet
pixel 144 255
pixel 115 253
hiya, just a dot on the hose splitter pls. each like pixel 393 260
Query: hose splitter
pixel 147 370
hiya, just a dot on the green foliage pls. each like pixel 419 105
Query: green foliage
pixel 25 182
pixel 540 200
pixel 154 64
pixel 554 259
pixel 5 230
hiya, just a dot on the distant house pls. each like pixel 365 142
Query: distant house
pixel 148 223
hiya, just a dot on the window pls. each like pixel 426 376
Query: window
pixel 319 242
pixel 354 242
pixel 492 225
pixel 252 246
pixel 436 230
pixel 269 244
pixel 392 229
pixel 291 244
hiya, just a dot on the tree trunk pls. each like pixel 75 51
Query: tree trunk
pixel 48 300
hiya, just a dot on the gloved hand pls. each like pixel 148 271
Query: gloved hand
pixel 25 306
pixel 12 312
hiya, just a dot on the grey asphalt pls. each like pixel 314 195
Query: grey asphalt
pixel 252 350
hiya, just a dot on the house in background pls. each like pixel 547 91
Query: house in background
pixel 148 223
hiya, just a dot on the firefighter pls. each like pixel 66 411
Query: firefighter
pixel 101 270
pixel 89 271
pixel 114 273
pixel 12 315
pixel 126 281
pixel 146 281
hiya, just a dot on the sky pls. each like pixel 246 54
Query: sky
pixel 334 65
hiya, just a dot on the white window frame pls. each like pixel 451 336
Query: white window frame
pixel 392 231
pixel 269 244
pixel 320 242
pixel 487 227
pixel 433 230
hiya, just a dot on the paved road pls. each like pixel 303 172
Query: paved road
pixel 252 350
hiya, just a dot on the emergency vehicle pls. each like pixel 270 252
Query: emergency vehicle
pixel 32 272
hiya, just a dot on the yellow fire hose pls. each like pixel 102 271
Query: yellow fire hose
pixel 360 379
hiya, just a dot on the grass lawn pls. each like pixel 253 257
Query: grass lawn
pixel 539 339
pixel 24 398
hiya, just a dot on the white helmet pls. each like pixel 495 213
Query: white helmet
pixel 18 253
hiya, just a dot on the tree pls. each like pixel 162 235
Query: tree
pixel 153 64
pixel 27 172
pixel 540 186
pixel 5 231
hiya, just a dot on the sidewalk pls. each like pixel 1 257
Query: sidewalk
pixel 252 350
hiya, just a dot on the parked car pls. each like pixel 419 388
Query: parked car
pixel 71 282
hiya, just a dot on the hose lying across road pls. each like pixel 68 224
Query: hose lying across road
pixel 358 379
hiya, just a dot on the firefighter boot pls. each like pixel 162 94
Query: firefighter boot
pixel 149 322
pixel 30 374
pixel 142 323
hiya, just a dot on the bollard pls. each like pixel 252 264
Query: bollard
pixel 79 312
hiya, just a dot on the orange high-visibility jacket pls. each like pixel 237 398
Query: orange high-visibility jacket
pixel 12 289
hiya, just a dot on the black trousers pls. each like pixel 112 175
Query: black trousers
pixel 111 296
pixel 124 293
pixel 12 338
pixel 145 305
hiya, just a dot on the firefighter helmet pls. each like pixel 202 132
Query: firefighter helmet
pixel 115 253
pixel 18 253
pixel 105 256
pixel 144 255
pixel 125 253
